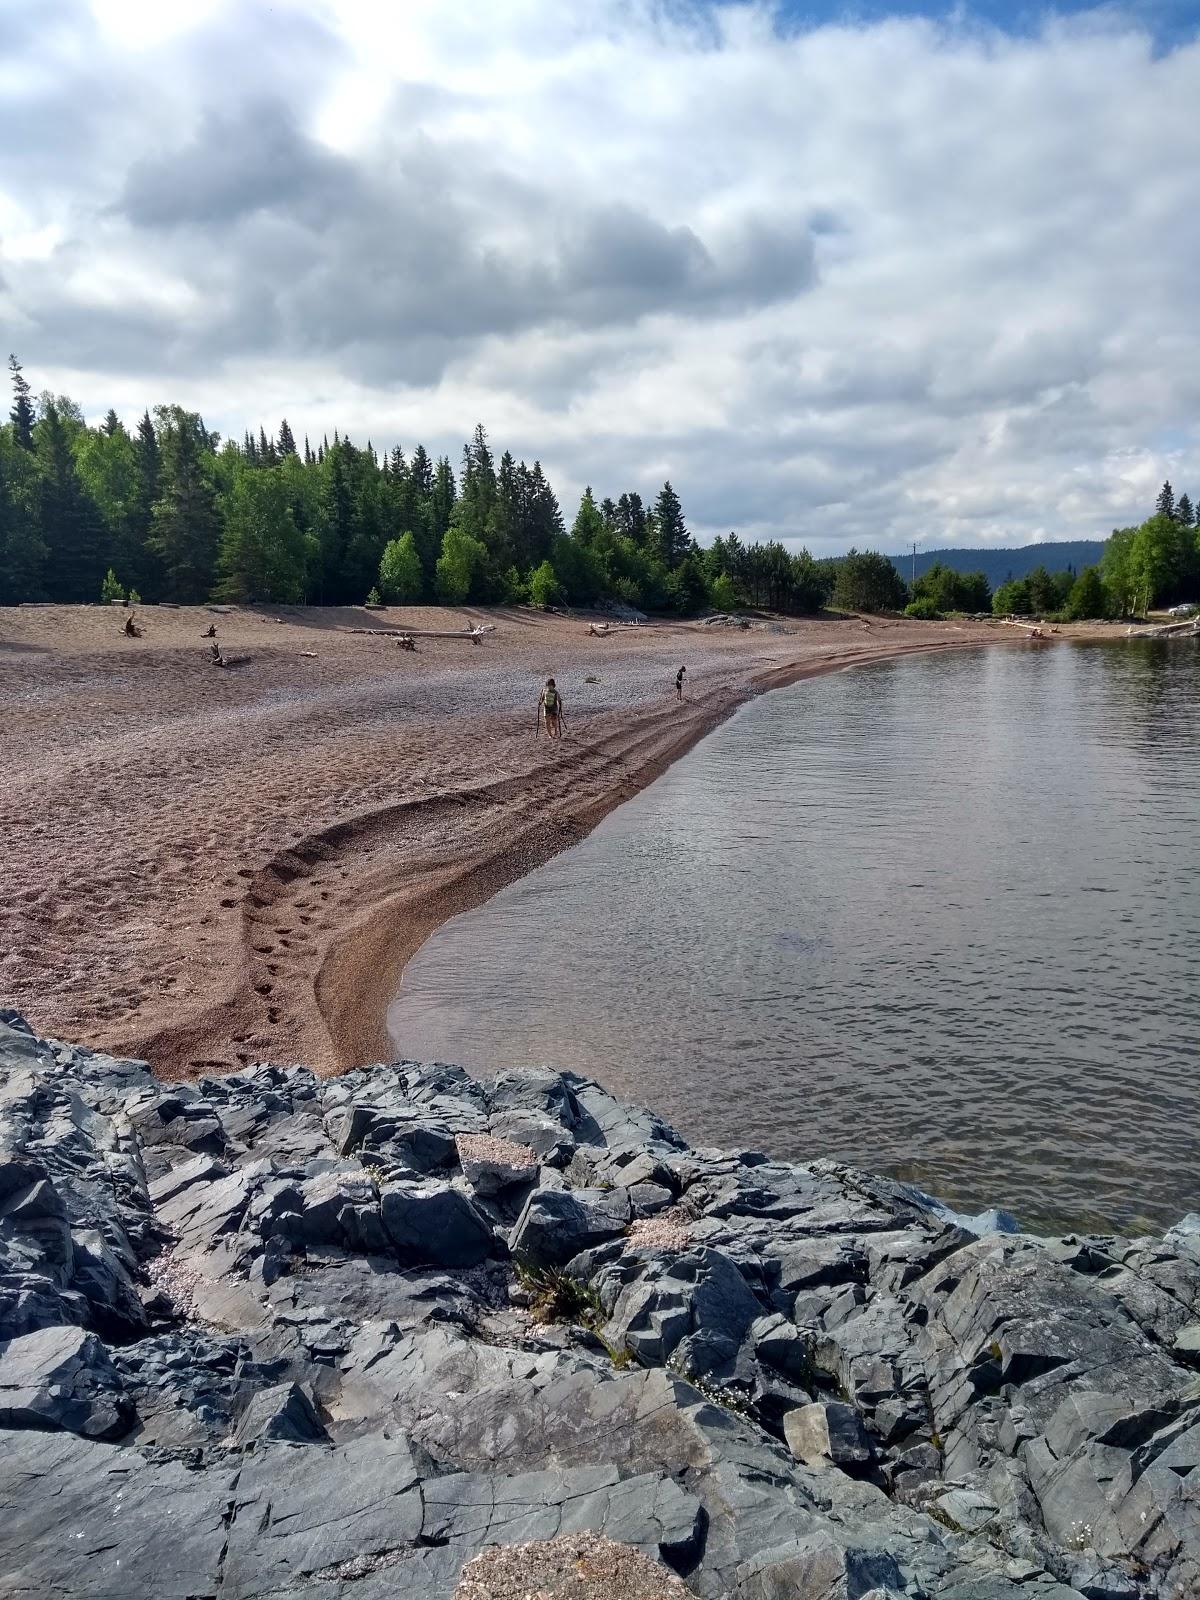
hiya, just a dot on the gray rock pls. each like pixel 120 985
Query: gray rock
pixel 432 1223
pixel 324 1385
pixel 556 1225
pixel 61 1378
pixel 826 1434
pixel 284 1414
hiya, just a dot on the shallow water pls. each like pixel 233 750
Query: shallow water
pixel 939 917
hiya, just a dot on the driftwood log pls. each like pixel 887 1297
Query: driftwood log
pixel 471 635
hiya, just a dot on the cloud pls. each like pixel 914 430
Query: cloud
pixel 842 284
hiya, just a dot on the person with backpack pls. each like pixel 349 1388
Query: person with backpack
pixel 550 702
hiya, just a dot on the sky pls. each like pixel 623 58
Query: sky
pixel 860 274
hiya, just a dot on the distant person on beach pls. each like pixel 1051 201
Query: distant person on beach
pixel 550 701
pixel 679 683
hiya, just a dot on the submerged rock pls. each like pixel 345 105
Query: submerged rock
pixel 263 1336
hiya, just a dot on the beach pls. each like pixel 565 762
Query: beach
pixel 210 867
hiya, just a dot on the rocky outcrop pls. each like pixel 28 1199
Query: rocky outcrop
pixel 270 1336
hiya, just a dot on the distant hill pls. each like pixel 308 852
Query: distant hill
pixel 1000 565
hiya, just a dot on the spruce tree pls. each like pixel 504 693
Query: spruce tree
pixel 112 423
pixel 287 444
pixel 22 406
pixel 334 529
pixel 589 522
pixel 144 567
pixel 673 539
pixel 421 473
pixel 631 518
pixel 1165 504
pixel 262 551
pixel 73 528
pixel 185 526
pixel 1184 514
pixel 22 551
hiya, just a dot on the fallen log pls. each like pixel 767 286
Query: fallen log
pixel 474 635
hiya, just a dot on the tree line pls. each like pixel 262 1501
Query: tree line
pixel 168 511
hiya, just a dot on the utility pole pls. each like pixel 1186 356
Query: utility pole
pixel 914 565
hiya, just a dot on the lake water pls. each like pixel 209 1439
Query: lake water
pixel 938 917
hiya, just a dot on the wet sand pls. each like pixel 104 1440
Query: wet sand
pixel 210 867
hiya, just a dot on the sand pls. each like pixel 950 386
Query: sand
pixel 208 868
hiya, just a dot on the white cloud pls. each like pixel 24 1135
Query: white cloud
pixel 855 284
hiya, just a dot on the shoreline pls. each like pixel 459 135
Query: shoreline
pixel 211 869
pixel 365 975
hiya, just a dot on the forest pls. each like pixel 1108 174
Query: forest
pixel 167 511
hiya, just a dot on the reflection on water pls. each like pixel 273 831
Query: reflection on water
pixel 938 917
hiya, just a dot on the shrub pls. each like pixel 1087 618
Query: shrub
pixel 924 608
pixel 544 588
pixel 463 557
pixel 111 589
pixel 722 596
pixel 400 575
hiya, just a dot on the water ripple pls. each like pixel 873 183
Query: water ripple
pixel 940 917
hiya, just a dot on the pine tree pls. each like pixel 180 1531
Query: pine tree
pixel 73 528
pixel 1184 514
pixel 1165 504
pixel 185 527
pixel 673 539
pixel 287 444
pixel 22 406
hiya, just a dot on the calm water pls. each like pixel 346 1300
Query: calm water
pixel 939 917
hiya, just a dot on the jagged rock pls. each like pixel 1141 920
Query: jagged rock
pixel 323 1381
pixel 819 1567
pixel 61 1379
pixel 828 1433
pixel 436 1224
pixel 558 1224
pixel 282 1414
